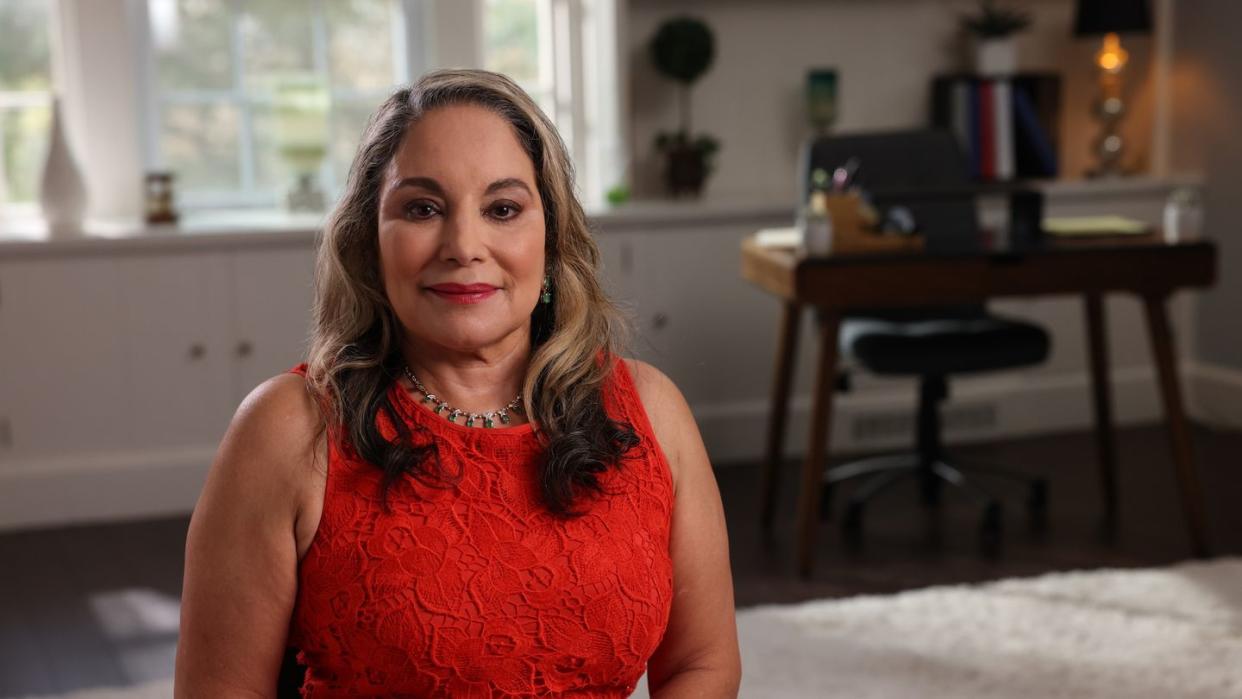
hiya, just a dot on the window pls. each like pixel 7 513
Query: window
pixel 245 96
pixel 563 52
pixel 25 97
pixel 236 96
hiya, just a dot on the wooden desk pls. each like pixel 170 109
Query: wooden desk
pixel 1147 266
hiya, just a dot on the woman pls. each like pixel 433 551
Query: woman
pixel 463 492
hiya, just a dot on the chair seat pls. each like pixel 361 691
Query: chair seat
pixel 943 345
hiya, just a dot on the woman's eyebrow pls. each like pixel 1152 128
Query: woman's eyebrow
pixel 426 183
pixel 505 184
pixel 431 185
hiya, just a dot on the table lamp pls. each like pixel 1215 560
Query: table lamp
pixel 1110 18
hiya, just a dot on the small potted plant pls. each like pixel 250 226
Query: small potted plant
pixel 683 49
pixel 994 29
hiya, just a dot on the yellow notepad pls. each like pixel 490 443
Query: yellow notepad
pixel 1094 225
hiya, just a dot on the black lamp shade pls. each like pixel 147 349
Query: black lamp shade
pixel 1096 17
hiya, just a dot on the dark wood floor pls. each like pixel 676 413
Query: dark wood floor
pixel 92 606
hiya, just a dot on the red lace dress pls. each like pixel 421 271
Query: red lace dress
pixel 477 591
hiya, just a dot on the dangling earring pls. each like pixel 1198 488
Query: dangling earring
pixel 547 289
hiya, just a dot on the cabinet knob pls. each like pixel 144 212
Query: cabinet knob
pixel 244 348
pixel 660 321
pixel 197 350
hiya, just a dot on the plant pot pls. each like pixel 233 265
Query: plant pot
pixel 685 170
pixel 996 57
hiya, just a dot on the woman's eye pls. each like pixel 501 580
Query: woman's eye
pixel 420 210
pixel 504 212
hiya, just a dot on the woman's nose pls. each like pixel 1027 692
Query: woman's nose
pixel 462 237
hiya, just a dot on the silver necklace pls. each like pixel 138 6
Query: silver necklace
pixel 442 406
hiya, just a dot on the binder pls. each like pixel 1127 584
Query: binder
pixel 1008 127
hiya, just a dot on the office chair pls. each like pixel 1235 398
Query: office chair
pixel 931 343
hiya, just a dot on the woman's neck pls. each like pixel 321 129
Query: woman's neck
pixel 475 381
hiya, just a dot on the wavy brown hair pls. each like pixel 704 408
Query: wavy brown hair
pixel 354 354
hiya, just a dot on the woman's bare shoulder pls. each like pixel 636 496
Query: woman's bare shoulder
pixel 668 412
pixel 274 443
pixel 278 418
pixel 652 384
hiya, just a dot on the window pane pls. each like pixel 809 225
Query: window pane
pixel 277 39
pixel 23 146
pixel 353 24
pixel 226 122
pixel 199 143
pixel 348 121
pixel 512 40
pixel 291 133
pixel 271 174
pixel 24 63
pixel 192 43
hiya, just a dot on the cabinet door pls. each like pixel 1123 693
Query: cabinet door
pixel 60 350
pixel 177 333
pixel 617 273
pixel 273 295
pixel 712 332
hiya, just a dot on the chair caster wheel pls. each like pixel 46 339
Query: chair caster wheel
pixel 990 530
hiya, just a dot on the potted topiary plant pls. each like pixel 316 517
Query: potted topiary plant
pixel 994 29
pixel 683 49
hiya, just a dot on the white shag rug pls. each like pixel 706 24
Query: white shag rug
pixel 1158 633
pixel 1146 633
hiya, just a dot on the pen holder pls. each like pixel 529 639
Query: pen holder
pixel 854 227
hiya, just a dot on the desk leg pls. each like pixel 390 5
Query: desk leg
pixel 1175 417
pixel 1101 392
pixel 817 452
pixel 774 456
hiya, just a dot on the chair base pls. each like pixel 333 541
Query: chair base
pixel 882 472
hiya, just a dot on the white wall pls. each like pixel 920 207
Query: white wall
pixel 1207 92
pixel 885 52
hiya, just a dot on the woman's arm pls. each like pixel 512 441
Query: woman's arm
pixel 242 553
pixel 699 654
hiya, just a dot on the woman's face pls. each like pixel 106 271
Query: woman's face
pixel 461 232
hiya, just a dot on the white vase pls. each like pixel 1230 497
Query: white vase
pixel 996 57
pixel 62 192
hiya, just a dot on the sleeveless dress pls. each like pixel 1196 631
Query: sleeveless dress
pixel 475 590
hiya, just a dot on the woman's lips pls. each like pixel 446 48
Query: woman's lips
pixel 463 293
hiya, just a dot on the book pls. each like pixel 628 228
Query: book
pixel 1002 115
pixel 1022 128
pixel 987 131
pixel 960 119
pixel 1033 149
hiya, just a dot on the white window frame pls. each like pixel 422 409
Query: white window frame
pixel 105 76
pixel 248 103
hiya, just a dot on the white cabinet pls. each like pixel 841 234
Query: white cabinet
pixel 697 320
pixel 119 373
pixel 143 351
pixel 273 291
pixel 62 382
pixel 175 327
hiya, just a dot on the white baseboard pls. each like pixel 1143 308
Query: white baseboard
pixel 1016 404
pixel 87 488
pixel 1214 394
